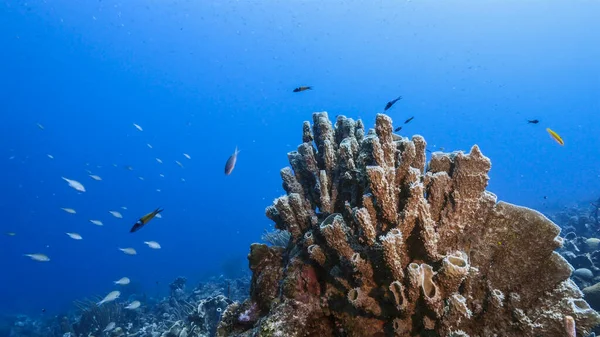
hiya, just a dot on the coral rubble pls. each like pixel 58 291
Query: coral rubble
pixel 581 248
pixel 385 244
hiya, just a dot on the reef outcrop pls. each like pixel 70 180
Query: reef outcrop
pixel 385 244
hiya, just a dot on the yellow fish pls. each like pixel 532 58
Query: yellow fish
pixel 144 220
pixel 556 137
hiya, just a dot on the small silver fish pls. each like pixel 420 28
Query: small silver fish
pixel 74 184
pixel 113 295
pixel 110 327
pixel 38 257
pixel 97 222
pixel 133 305
pixel 69 210
pixel 128 251
pixel 116 214
pixel 123 281
pixel 153 244
pixel 138 127
pixel 230 164
pixel 74 236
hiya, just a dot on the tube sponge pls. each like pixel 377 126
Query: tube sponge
pixel 393 252
pixel 316 253
pixel 334 231
pixel 455 269
pixel 395 245
pixel 360 299
pixel 397 290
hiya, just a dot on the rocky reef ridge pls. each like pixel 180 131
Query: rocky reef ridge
pixel 384 244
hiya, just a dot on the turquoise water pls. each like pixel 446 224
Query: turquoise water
pixel 202 77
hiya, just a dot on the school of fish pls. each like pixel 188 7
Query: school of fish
pixel 230 165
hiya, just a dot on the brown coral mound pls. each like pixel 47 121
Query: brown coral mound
pixel 384 246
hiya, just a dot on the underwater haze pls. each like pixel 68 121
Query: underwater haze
pixel 201 78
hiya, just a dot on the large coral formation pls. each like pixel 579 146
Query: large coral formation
pixel 382 245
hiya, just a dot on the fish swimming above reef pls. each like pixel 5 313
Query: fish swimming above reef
pixel 74 184
pixel 113 295
pixel 153 244
pixel 97 222
pixel 555 136
pixel 532 121
pixel 110 327
pixel 123 281
pixel 38 257
pixel 392 102
pixel 116 214
pixel 304 88
pixel 408 120
pixel 144 220
pixel 398 129
pixel 69 210
pixel 440 148
pixel 128 251
pixel 230 164
pixel 133 305
pixel 74 236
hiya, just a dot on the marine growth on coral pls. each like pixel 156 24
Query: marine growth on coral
pixel 385 244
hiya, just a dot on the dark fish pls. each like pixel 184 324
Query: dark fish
pixel 43 310
pixel 299 89
pixel 230 164
pixel 408 120
pixel 392 102
pixel 533 121
pixel 398 129
pixel 144 220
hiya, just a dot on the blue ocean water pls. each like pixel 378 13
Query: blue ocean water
pixel 205 77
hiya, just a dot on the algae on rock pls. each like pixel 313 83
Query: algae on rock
pixel 384 245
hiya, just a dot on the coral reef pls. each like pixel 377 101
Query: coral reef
pixel 384 245
pixel 579 218
pixel 181 314
pixel 582 248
